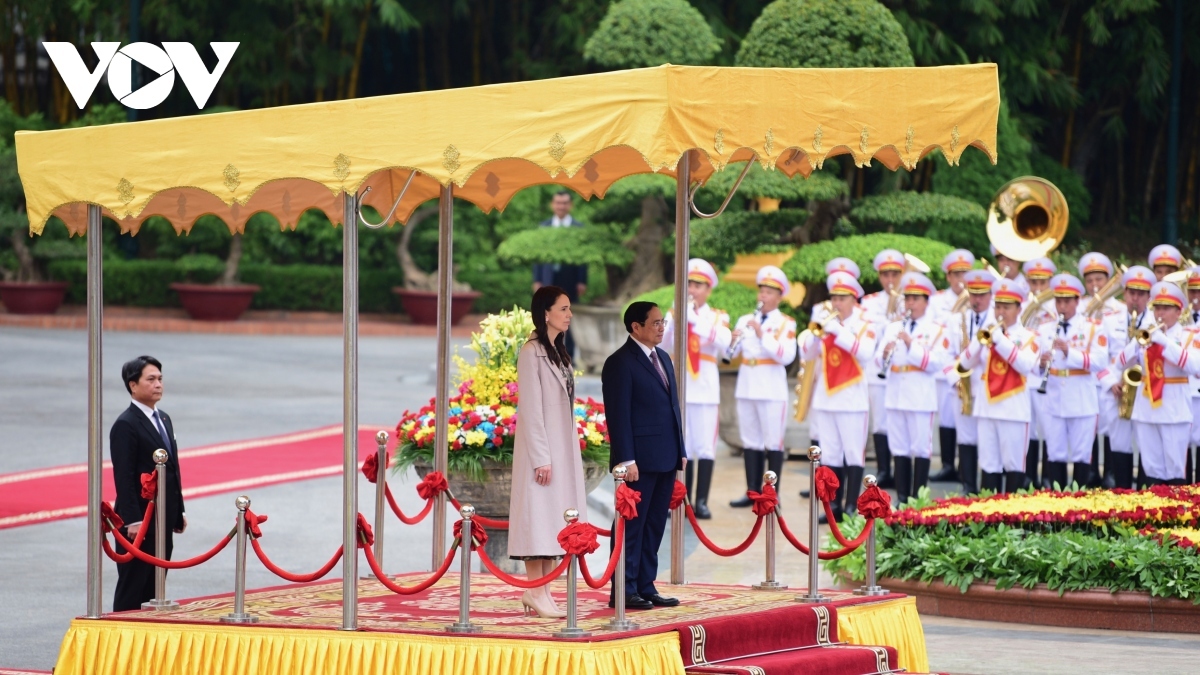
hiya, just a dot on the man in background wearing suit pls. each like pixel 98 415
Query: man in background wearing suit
pixel 570 278
pixel 137 433
pixel 641 404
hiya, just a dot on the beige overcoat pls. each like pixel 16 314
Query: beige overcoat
pixel 546 434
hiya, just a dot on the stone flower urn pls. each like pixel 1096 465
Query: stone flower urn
pixel 490 497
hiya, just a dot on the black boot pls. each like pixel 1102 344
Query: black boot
pixel 1014 480
pixel 1054 472
pixel 1094 475
pixel 883 457
pixel 1109 481
pixel 689 473
pixel 1189 466
pixel 968 467
pixel 947 437
pixel 1122 469
pixel 904 471
pixel 775 460
pixel 1031 463
pixel 920 474
pixel 992 481
pixel 1081 474
pixel 836 504
pixel 854 478
pixel 704 473
pixel 754 461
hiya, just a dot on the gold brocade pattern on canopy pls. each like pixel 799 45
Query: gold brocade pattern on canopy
pixel 583 132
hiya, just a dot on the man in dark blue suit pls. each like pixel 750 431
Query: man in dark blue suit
pixel 570 278
pixel 641 405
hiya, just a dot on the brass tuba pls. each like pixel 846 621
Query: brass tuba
pixel 1131 380
pixel 1027 218
pixel 806 379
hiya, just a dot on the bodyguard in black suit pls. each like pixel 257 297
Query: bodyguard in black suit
pixel 641 404
pixel 134 437
pixel 571 278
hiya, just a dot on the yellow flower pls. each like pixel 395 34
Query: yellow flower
pixel 476 437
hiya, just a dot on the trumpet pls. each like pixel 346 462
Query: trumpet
pixel 1144 335
pixel 984 335
pixel 1130 381
pixel 737 343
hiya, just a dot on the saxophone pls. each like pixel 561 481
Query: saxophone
pixel 1130 381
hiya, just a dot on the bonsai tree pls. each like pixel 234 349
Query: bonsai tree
pixel 953 220
pixel 415 278
pixel 642 33
pixel 808 265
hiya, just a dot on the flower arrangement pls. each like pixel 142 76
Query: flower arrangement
pixel 483 411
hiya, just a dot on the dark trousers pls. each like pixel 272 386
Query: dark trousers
pixel 135 579
pixel 644 534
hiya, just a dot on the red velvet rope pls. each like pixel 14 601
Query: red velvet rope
pixel 482 520
pixel 517 581
pixel 370 467
pixel 837 531
pixel 110 522
pixel 726 552
pixel 678 495
pixel 765 501
pixel 290 576
pixel 409 590
pixel 407 520
pixel 625 501
pixel 847 548
pixel 172 564
pixel 479 535
pixel 612 560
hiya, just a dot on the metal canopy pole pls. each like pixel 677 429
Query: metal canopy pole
pixel 350 411
pixel 95 321
pixel 683 178
pixel 441 443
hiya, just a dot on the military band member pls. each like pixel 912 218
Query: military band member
pixel 708 339
pixel 840 402
pixel 1165 259
pixel 819 314
pixel 889 265
pixel 955 265
pixel 1008 267
pixel 959 332
pixel 767 343
pixel 1162 410
pixel 1192 319
pixel 1071 351
pixel 1096 269
pixel 1037 274
pixel 1136 281
pixel 912 355
pixel 1001 405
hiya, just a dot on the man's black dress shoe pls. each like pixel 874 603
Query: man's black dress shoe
pixel 634 601
pixel 659 601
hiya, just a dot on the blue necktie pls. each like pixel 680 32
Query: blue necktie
pixel 162 431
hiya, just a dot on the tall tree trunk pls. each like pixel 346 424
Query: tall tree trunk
pixel 352 88
pixel 646 271
pixel 10 74
pixel 422 63
pixel 26 268
pixel 229 276
pixel 1148 194
pixel 1068 135
pixel 319 94
pixel 415 278
pixel 477 46
pixel 444 44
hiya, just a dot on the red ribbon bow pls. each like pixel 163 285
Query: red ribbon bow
pixel 365 536
pixel 578 538
pixel 109 520
pixel 477 533
pixel 433 484
pixel 150 485
pixel 252 522
pixel 626 500
pixel 678 495
pixel 874 503
pixel 370 468
pixel 827 484
pixel 765 501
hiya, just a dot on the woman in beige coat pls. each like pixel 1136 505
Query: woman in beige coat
pixel 547 476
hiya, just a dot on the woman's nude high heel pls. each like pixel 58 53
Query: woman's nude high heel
pixel 530 605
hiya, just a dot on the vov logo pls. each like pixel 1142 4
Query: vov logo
pixel 117 61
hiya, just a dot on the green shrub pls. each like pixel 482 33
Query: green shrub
pixel 734 298
pixel 720 240
pixel 642 33
pixel 825 34
pixel 774 184
pixel 808 265
pixel 953 220
pixel 588 245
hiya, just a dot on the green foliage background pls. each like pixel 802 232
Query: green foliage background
pixel 641 33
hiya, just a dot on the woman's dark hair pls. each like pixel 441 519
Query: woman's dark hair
pixel 544 300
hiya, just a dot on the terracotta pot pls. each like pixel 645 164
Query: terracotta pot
pixel 421 306
pixel 598 332
pixel 215 303
pixel 32 298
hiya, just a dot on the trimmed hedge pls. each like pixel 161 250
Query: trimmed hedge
pixel 808 265
pixel 953 220
pixel 720 240
pixel 146 283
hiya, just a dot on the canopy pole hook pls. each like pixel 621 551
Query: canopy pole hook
pixel 388 218
pixel 728 198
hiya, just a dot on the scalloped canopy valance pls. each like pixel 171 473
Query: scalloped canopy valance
pixel 583 133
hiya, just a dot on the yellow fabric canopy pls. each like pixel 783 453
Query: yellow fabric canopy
pixel 581 132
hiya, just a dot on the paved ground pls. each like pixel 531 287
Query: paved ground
pixel 222 388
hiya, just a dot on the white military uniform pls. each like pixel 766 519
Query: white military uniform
pixel 1120 432
pixel 1003 422
pixel 968 431
pixel 1163 429
pixel 1114 320
pixel 1194 387
pixel 841 416
pixel 875 306
pixel 762 391
pixel 911 384
pixel 1070 402
pixel 1044 315
pixel 711 329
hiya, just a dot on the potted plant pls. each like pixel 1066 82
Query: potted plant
pixel 482 427
pixel 419 294
pixel 224 300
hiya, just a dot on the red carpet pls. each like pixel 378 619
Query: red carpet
pixel 56 493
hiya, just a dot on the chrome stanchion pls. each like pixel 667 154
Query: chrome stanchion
pixel 871 587
pixel 381 440
pixel 239 614
pixel 464 625
pixel 814 533
pixel 619 622
pixel 572 630
pixel 160 601
pixel 769 584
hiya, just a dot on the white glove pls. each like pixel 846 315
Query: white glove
pixel 834 328
pixel 1159 337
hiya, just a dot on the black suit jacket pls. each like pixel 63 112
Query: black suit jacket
pixel 131 444
pixel 566 277
pixel 644 424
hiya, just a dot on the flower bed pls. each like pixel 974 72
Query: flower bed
pixel 483 413
pixel 1120 540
